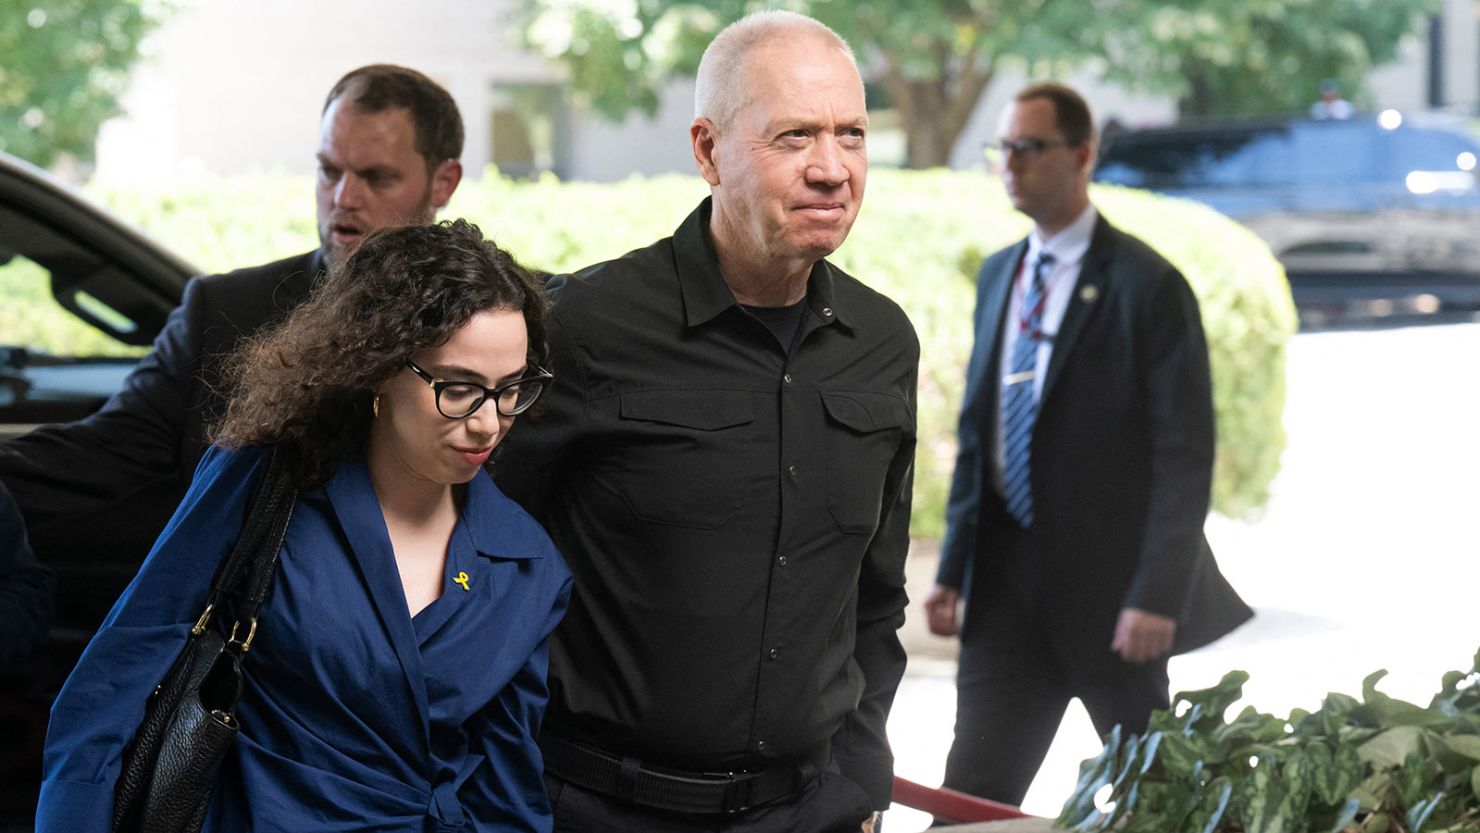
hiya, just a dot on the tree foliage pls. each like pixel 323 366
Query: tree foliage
pixel 63 65
pixel 1236 57
pixel 934 58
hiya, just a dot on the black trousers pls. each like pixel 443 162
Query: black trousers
pixel 1013 687
pixel 830 803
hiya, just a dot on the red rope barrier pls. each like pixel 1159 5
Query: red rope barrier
pixel 951 806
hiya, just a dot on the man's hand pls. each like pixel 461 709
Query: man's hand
pixel 1141 636
pixel 940 610
pixel 872 822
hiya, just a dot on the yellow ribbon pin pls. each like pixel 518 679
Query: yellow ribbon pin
pixel 462 578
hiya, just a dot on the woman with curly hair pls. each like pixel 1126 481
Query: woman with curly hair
pixel 397 678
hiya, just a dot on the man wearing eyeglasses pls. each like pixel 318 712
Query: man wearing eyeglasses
pixel 725 463
pixel 1074 536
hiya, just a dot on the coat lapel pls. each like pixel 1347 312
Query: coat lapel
pixel 995 302
pixel 358 511
pixel 1089 293
pixel 461 567
pixel 996 293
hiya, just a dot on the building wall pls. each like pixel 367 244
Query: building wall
pixel 234 87
pixel 1462 51
pixel 239 86
pixel 602 151
pixel 1404 84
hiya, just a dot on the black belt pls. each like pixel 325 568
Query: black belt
pixel 628 779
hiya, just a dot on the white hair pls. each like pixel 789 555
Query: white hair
pixel 719 84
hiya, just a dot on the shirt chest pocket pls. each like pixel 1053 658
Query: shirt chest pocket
pixel 864 433
pixel 684 449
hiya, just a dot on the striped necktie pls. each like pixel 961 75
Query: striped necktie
pixel 1019 402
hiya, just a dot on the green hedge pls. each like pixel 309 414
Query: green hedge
pixel 919 239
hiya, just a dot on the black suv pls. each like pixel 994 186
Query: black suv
pixel 1370 205
pixel 81 298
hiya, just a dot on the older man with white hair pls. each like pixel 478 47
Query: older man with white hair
pixel 725 461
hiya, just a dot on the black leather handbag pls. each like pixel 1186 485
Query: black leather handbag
pixel 190 722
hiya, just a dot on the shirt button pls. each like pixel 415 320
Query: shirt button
pixel 781 559
pixel 786 378
pixel 791 470
pixel 760 745
pixel 827 312
pixel 775 652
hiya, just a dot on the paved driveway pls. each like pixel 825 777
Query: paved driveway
pixel 1367 557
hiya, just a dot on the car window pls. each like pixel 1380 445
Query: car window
pixel 1181 160
pixel 1428 149
pixel 1339 153
pixel 61 296
pixel 31 317
pixel 75 311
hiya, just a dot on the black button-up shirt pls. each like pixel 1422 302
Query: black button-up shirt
pixel 736 515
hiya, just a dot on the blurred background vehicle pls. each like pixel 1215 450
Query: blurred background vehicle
pixel 63 259
pixel 82 296
pixel 1383 205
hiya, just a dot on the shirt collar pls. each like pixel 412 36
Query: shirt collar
pixel 1070 244
pixel 705 293
pixel 496 525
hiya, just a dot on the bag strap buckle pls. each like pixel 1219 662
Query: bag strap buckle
pixel 205 617
pixel 245 644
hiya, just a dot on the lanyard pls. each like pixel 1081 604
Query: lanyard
pixel 1024 320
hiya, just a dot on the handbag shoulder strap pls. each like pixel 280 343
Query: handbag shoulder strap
pixel 246 574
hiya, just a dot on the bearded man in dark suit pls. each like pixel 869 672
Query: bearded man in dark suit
pixel 388 155
pixel 1074 535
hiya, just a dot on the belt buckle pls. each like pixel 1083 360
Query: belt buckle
pixel 736 798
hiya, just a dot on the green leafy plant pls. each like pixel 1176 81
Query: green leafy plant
pixel 1374 765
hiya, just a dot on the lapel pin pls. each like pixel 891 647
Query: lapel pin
pixel 1088 293
pixel 462 578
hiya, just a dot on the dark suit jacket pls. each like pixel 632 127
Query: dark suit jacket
pixel 1122 455
pixel 26 589
pixel 104 486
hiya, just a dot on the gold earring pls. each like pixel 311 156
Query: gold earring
pixel 375 407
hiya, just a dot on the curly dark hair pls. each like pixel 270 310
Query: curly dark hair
pixel 304 385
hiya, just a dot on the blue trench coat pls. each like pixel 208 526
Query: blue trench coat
pixel 356 715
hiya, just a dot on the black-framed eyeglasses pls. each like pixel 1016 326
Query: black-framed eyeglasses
pixel 458 400
pixel 1026 148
